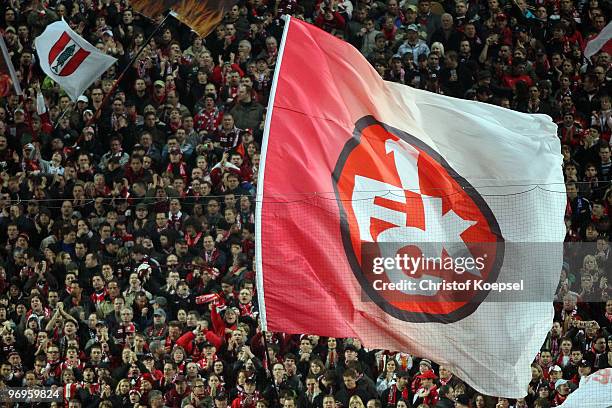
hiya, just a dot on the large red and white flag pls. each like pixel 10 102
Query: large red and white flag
pixel 69 60
pixel 413 221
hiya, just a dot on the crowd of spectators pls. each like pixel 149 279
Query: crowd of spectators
pixel 127 228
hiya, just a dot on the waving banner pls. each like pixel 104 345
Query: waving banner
pixel 414 221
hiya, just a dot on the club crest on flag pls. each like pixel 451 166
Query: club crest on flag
pixel 398 196
pixel 66 56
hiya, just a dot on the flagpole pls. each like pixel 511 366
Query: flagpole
pixel 57 122
pixel 10 67
pixel 98 113
pixel 269 363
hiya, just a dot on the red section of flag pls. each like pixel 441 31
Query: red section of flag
pixel 290 211
pixel 58 47
pixel 74 62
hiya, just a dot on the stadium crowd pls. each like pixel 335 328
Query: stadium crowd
pixel 127 228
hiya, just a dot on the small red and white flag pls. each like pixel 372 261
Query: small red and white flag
pixel 69 60
pixel 414 221
pixel 603 42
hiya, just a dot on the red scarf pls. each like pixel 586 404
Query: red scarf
pixel 558 400
pixel 153 332
pixel 247 310
pixel 192 241
pixel 181 168
pixel 332 358
pixel 169 343
pixel 392 400
pixel 253 398
pixel 203 361
pixel 208 120
pixel 99 296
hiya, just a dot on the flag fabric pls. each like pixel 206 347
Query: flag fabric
pixel 8 77
pixel 595 391
pixel 202 16
pixel 602 42
pixel 356 171
pixel 69 60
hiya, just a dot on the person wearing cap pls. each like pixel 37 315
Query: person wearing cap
pixel 562 390
pixel 81 105
pixel 135 396
pixel 427 393
pixel 424 366
pixel 413 44
pixel 178 393
pixel 554 373
pixel 32 162
pixel 159 302
pixel 159 329
pixel 584 369
pixel 248 397
pixel 177 165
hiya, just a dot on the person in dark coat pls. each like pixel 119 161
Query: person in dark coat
pixel 350 388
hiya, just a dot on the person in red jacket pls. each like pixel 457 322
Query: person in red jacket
pixel 329 19
pixel 518 74
pixel 196 340
pixel 427 392
pixel 224 326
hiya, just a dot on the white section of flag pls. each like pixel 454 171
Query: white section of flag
pixel 595 391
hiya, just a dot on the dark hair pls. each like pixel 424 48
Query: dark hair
pixel 350 373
